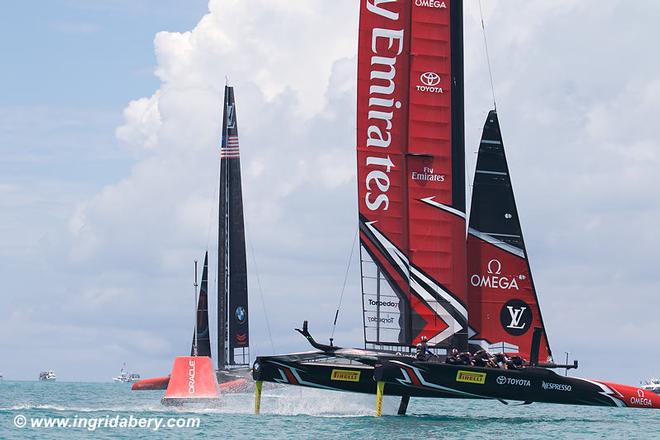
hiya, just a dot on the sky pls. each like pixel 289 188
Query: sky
pixel 111 115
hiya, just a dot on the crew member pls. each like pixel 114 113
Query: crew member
pixel 452 357
pixel 465 358
pixel 501 360
pixel 480 358
pixel 516 363
pixel 420 354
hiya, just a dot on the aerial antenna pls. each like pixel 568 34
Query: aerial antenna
pixel 490 71
pixel 194 350
pixel 226 80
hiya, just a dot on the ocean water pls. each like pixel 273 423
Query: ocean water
pixel 297 413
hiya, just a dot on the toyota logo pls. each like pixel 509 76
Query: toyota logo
pixel 430 79
pixel 501 380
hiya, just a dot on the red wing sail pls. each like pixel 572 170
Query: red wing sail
pixel 503 306
pixel 411 179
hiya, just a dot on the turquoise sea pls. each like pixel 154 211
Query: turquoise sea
pixel 295 413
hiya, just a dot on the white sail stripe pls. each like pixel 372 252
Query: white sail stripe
pixel 396 255
pixel 495 242
pixel 429 299
pixel 430 201
pixel 499 173
pixel 443 293
pixel 502 235
pixel 487 141
pixel 439 310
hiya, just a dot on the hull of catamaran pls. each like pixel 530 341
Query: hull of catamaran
pixel 405 376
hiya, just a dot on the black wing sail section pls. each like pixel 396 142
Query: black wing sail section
pixel 233 330
pixel 202 333
pixel 502 304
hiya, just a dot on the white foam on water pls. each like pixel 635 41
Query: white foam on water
pixel 300 401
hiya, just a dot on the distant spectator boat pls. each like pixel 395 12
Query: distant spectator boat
pixel 125 377
pixel 652 384
pixel 48 376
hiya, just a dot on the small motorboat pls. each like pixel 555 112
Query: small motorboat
pixel 48 376
pixel 125 377
pixel 652 385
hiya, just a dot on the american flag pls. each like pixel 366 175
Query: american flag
pixel 231 150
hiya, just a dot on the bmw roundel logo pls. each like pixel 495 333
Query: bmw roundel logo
pixel 240 313
pixel 430 79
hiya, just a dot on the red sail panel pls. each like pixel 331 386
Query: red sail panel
pixel 503 306
pixel 436 235
pixel 412 228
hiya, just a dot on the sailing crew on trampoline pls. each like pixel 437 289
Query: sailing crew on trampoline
pixel 501 359
pixel 419 353
pixel 423 351
pixel 452 357
pixel 425 346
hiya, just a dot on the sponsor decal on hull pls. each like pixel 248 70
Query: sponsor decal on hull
pixel 471 377
pixel 191 376
pixel 345 375
pixel 641 399
pixel 503 380
pixel 556 386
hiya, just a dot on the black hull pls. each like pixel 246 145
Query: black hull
pixel 354 378
pixel 405 376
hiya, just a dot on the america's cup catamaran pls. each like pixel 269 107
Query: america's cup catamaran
pixel 233 341
pixel 425 275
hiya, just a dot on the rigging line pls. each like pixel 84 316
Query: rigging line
pixel 490 71
pixel 194 350
pixel 261 293
pixel 343 289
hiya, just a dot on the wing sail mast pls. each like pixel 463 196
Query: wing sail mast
pixel 411 178
pixel 233 329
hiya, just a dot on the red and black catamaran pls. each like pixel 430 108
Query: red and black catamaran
pixel 424 273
